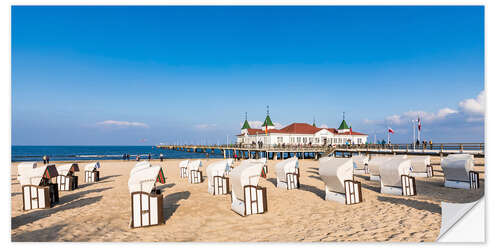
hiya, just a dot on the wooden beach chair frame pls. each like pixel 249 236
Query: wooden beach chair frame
pixel 43 196
pixel 408 185
pixel 195 176
pixel 183 172
pixel 353 192
pixel 221 185
pixel 474 179
pixel 292 180
pixel 91 176
pixel 254 199
pixel 67 182
pixel 153 211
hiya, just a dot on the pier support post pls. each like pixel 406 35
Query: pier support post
pixel 275 156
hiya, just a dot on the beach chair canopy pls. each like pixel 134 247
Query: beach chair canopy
pixel 334 171
pixel 287 166
pixel 144 180
pixel 25 167
pixel 216 169
pixel 261 160
pixel 461 156
pixel 391 171
pixel 139 166
pixel 419 163
pixel 92 166
pixel 67 169
pixel 194 165
pixel 457 168
pixel 360 161
pixel 183 163
pixel 34 176
pixel 375 163
pixel 247 173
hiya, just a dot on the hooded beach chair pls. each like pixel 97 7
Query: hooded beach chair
pixel 337 174
pixel 67 180
pixel 374 166
pixel 183 168
pixel 146 200
pixel 395 178
pixel 458 172
pixel 38 191
pixel 287 173
pixel 421 166
pixel 140 166
pixel 246 196
pixel 92 172
pixel 194 172
pixel 217 182
pixel 263 161
pixel 360 164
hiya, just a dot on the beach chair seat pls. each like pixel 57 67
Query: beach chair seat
pixel 337 174
pixel 287 173
pixel 246 196
pixel 66 180
pixel 395 178
pixel 458 173
pixel 194 172
pixel 421 166
pixel 92 172
pixel 360 164
pixel 183 168
pixel 146 200
pixel 218 183
pixel 37 190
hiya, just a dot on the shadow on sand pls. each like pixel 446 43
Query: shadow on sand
pixel 171 201
pixel 320 193
pixel 30 217
pixel 420 205
pixel 49 232
pixel 273 181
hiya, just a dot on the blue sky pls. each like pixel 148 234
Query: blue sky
pixel 146 75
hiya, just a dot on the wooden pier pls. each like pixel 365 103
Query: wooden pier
pixel 315 152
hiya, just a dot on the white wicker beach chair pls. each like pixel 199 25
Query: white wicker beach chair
pixel 374 166
pixel 146 200
pixel 287 173
pixel 218 183
pixel 246 196
pixel 66 180
pixel 194 172
pixel 458 172
pixel 337 174
pixel 421 166
pixel 38 191
pixel 395 178
pixel 183 168
pixel 92 172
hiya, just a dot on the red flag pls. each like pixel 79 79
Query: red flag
pixel 266 128
pixel 350 130
pixel 391 131
pixel 419 124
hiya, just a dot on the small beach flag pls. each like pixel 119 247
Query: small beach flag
pixel 161 177
pixel 391 131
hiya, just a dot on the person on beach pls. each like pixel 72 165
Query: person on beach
pixel 138 157
pixel 48 159
pixel 161 157
pixel 44 159
pixel 149 156
pixel 128 157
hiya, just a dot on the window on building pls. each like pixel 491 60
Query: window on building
pixel 292 139
pixel 316 140
pixel 280 139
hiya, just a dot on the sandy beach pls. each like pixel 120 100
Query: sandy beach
pixel 101 211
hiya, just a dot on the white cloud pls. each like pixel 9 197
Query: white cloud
pixel 122 124
pixel 205 126
pixel 258 124
pixel 474 106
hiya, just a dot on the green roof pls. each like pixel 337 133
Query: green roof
pixel 343 125
pixel 245 125
pixel 314 124
pixel 267 122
